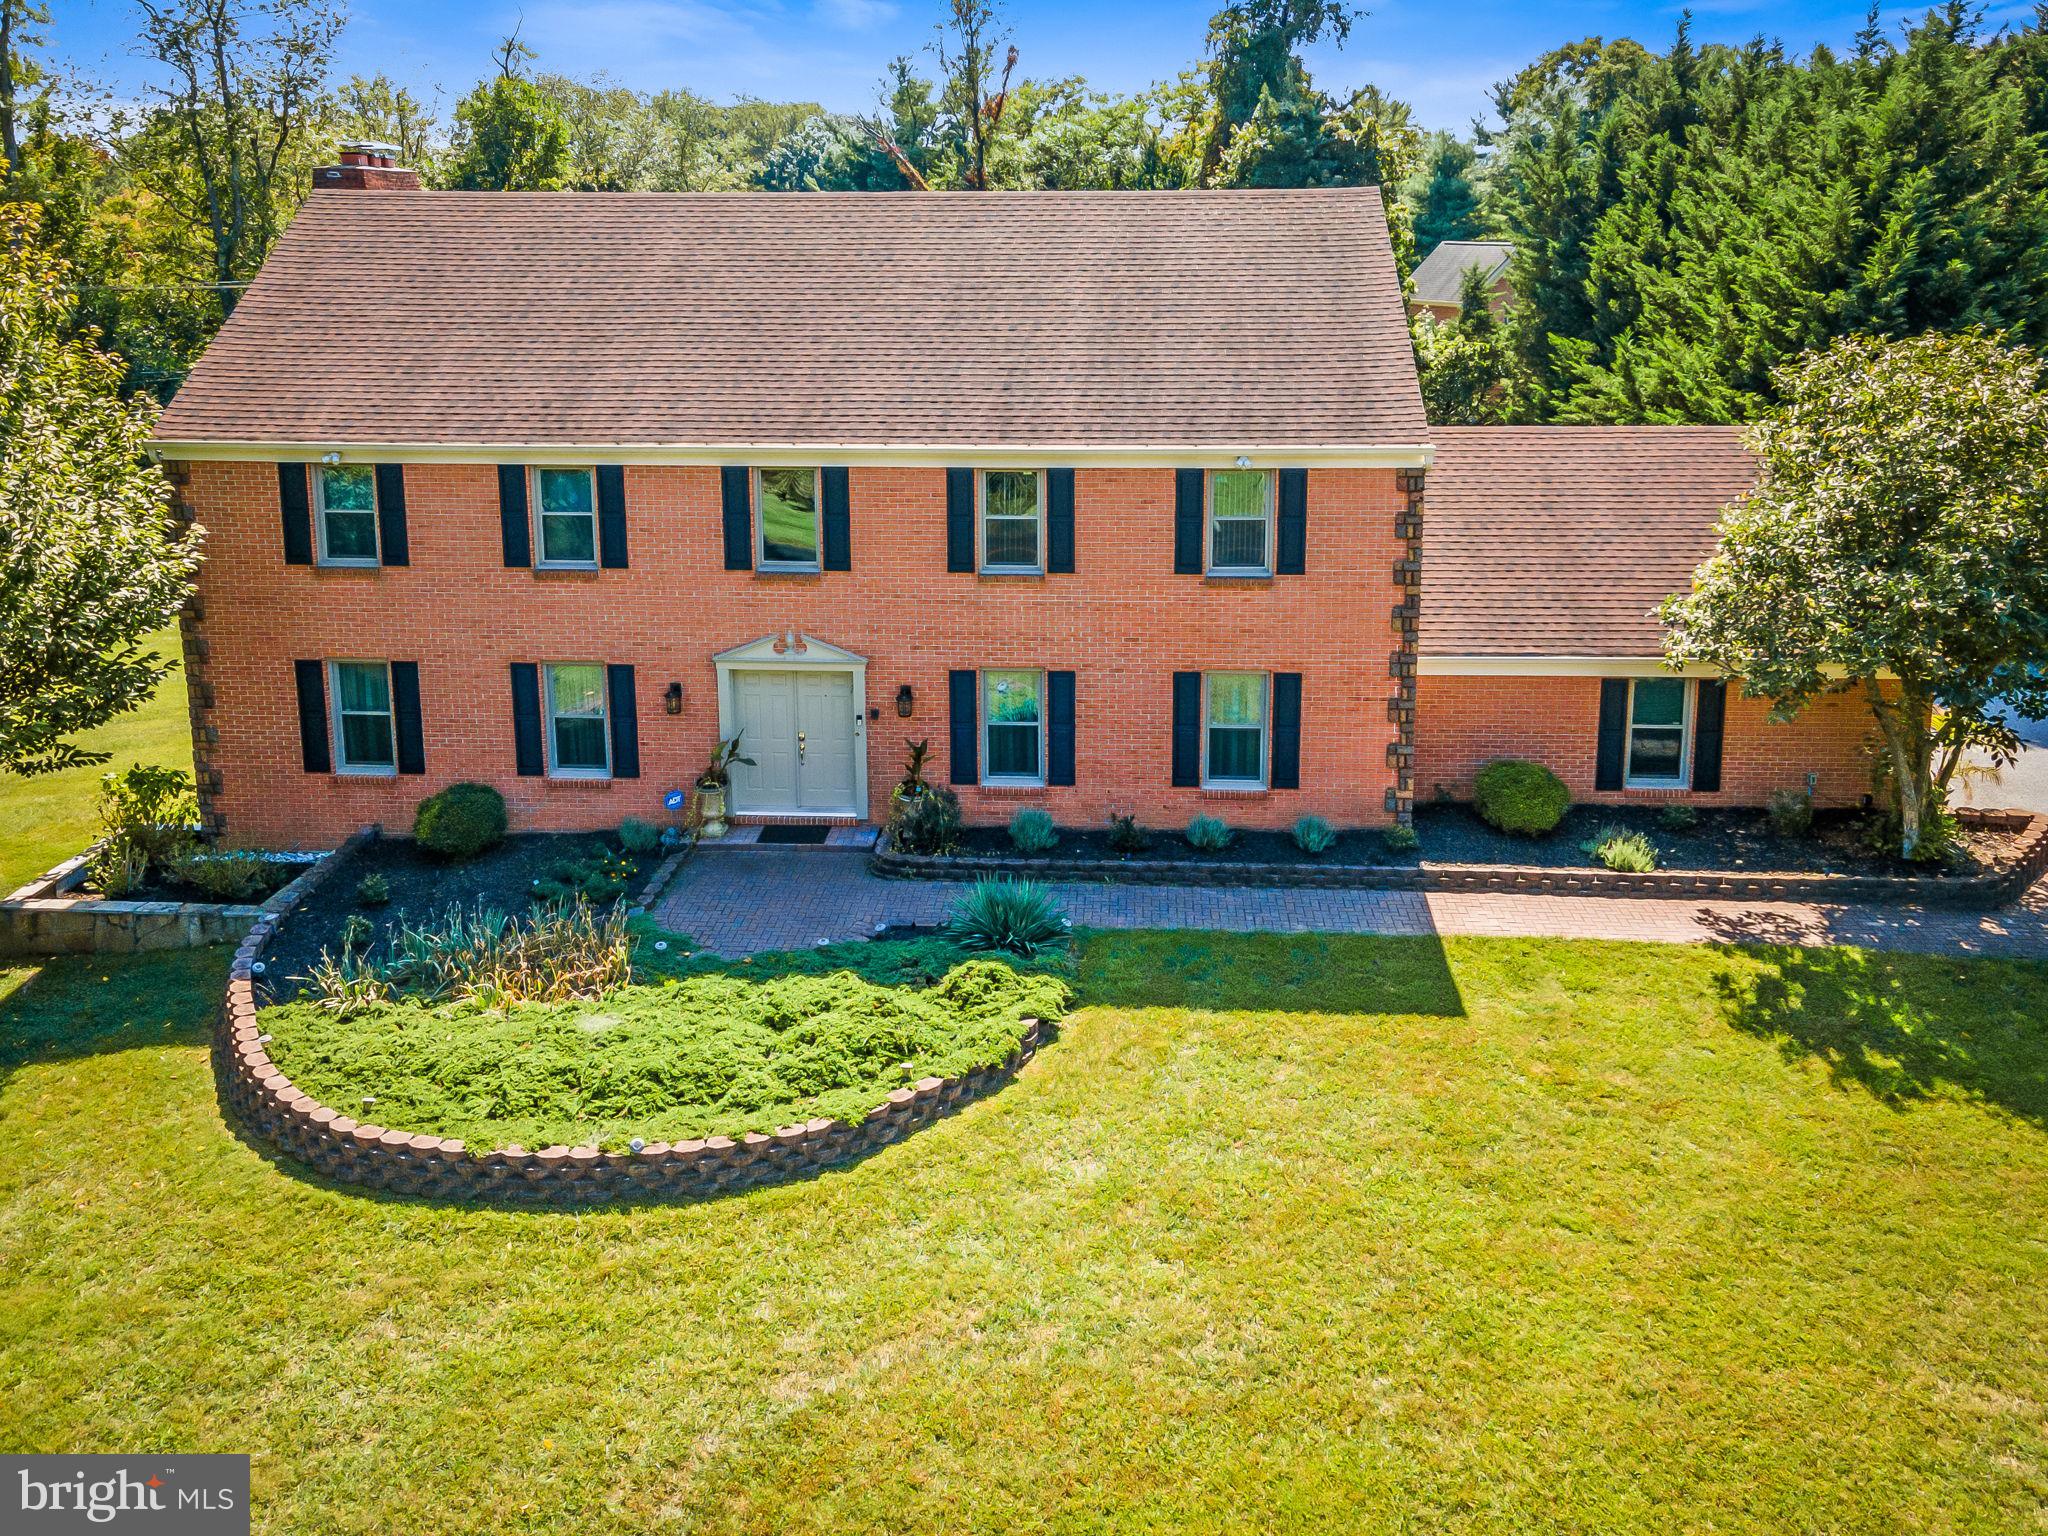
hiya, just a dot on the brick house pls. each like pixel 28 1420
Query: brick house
pixel 1115 498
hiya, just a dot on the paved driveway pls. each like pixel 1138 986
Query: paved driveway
pixel 740 901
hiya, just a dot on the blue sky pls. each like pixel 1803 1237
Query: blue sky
pixel 1438 56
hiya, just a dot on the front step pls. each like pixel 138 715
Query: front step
pixel 839 837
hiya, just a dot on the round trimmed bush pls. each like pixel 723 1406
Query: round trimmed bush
pixel 461 821
pixel 1519 796
pixel 1032 831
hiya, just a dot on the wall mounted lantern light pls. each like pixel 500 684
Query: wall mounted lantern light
pixel 904 700
pixel 672 701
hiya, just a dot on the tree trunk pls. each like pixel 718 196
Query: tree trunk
pixel 10 135
pixel 1906 725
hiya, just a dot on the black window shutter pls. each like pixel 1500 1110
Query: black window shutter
pixel 512 514
pixel 1187 728
pixel 625 713
pixel 1284 772
pixel 611 516
pixel 739 519
pixel 1710 712
pixel 965 724
pixel 1607 768
pixel 838 520
pixel 1187 523
pixel 1059 521
pixel 1059 740
pixel 405 709
pixel 959 519
pixel 392 548
pixel 311 677
pixel 297 511
pixel 1292 556
pixel 526 748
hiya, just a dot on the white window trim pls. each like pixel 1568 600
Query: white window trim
pixel 1037 567
pixel 541 562
pixel 817 562
pixel 1209 565
pixel 355 562
pixel 549 717
pixel 1012 780
pixel 335 714
pixel 1688 690
pixel 1265 777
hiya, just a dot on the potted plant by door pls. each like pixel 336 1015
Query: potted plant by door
pixel 711 786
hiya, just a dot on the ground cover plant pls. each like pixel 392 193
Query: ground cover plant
pixel 706 1054
pixel 1290 1232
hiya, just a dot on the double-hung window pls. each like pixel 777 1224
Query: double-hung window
pixel 1234 729
pixel 1240 522
pixel 579 737
pixel 1012 520
pixel 346 513
pixel 363 728
pixel 1659 731
pixel 567 503
pixel 786 517
pixel 1013 728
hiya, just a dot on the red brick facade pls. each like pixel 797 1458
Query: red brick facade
pixel 1124 623
pixel 1465 722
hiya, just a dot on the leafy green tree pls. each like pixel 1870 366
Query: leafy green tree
pixel 510 135
pixel 24 84
pixel 1255 54
pixel 1443 203
pixel 91 558
pixel 1897 547
pixel 1469 371
pixel 976 91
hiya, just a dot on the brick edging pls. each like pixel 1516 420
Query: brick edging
pixel 270 1107
pixel 1969 892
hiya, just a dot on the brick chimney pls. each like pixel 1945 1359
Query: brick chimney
pixel 368 167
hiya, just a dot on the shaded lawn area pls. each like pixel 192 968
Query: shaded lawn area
pixel 46 819
pixel 1596 1237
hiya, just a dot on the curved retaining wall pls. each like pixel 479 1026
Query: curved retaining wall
pixel 356 1152
pixel 1974 892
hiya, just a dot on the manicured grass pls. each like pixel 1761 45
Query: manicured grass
pixel 46 819
pixel 1585 1237
pixel 711 1055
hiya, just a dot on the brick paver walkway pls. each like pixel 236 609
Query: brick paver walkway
pixel 740 901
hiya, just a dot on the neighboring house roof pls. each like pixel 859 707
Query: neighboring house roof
pixel 1560 541
pixel 1441 275
pixel 1232 319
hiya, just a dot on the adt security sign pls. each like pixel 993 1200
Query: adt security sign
pixel 673 800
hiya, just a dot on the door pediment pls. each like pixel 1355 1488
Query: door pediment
pixel 789 648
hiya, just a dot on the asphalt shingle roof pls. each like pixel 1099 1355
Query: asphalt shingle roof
pixel 1560 541
pixel 1441 274
pixel 990 319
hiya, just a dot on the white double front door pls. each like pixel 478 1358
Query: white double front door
pixel 802 729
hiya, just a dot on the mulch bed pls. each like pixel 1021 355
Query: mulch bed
pixel 1722 840
pixel 422 888
pixel 1245 848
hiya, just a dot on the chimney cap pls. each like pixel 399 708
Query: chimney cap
pixel 369 147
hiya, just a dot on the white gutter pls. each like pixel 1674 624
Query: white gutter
pixel 1553 666
pixel 931 455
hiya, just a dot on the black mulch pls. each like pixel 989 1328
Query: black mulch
pixel 422 888
pixel 1738 840
pixel 1245 848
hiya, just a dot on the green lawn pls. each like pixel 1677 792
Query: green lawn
pixel 46 819
pixel 1582 1237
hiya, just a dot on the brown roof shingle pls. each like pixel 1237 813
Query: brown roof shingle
pixel 1560 541
pixel 989 319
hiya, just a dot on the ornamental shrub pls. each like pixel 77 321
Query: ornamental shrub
pixel 1620 849
pixel 227 876
pixel 1678 817
pixel 927 822
pixel 639 837
pixel 1313 835
pixel 373 890
pixel 461 821
pixel 1032 831
pixel 1014 917
pixel 1126 836
pixel 1400 838
pixel 1791 812
pixel 1521 797
pixel 1206 834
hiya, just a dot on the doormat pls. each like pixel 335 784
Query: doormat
pixel 808 835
